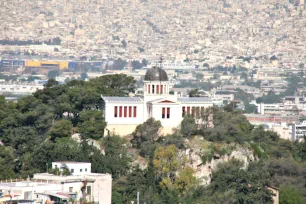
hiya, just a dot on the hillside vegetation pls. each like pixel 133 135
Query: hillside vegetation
pixel 164 169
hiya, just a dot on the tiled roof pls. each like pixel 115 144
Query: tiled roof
pixel 122 99
pixel 194 100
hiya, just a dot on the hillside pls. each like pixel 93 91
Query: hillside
pixel 180 29
pixel 231 162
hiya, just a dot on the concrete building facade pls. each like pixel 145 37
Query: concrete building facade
pixel 92 187
pixel 75 168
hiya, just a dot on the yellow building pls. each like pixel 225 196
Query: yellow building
pixel 32 64
pixel 46 64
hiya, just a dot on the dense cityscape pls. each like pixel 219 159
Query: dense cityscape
pixel 152 101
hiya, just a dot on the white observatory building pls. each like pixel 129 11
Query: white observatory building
pixel 123 114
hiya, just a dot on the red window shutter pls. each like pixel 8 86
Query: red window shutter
pixel 125 111
pixel 135 111
pixel 116 112
pixel 130 111
pixel 120 111
pixel 161 89
pixel 188 110
pixel 163 112
pixel 157 89
pixel 168 112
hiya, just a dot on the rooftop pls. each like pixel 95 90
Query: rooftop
pixel 121 99
pixel 156 74
pixel 71 162
pixel 22 184
pixel 194 99
pixel 61 178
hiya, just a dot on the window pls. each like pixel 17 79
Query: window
pixel 130 111
pixel 70 189
pixel 116 112
pixel 202 110
pixel 135 111
pixel 125 111
pixel 88 190
pixel 85 169
pixel 120 111
pixel 153 89
pixel 55 166
pixel 81 170
pixel 72 171
pixel 198 111
pixel 183 111
pixel 161 89
pixel 157 89
pixel 163 113
pixel 168 112
pixel 193 111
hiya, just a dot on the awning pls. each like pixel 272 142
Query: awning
pixel 3 199
pixel 19 201
pixel 7 198
pixel 55 194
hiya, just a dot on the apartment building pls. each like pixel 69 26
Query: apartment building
pixel 82 184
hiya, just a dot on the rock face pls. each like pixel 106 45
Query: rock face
pixel 76 137
pixel 204 169
pixel 139 161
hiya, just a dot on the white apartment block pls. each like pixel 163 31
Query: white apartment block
pixel 75 168
pixel 20 88
pixel 44 187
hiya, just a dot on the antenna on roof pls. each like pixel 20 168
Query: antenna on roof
pixel 161 59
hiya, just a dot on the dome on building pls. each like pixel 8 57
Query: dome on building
pixel 156 74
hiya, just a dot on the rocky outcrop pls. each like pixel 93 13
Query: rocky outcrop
pixel 137 160
pixel 204 157
pixel 76 137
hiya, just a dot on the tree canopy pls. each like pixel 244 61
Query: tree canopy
pixel 38 130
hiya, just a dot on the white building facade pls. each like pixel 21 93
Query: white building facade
pixel 97 187
pixel 299 131
pixel 123 114
pixel 20 88
pixel 93 187
pixel 75 168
